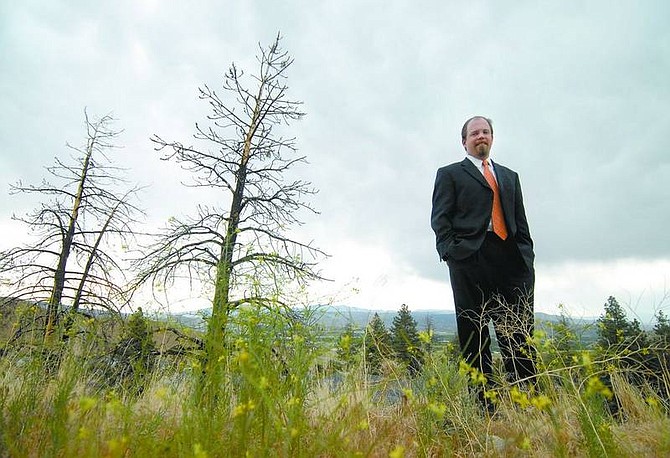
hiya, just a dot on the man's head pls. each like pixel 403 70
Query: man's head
pixel 477 136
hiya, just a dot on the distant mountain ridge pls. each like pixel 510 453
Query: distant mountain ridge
pixel 334 317
pixel 337 317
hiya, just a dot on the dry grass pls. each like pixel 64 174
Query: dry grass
pixel 346 423
pixel 299 408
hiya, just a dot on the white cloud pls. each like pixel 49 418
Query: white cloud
pixel 642 286
pixel 370 276
pixel 13 234
pixel 579 105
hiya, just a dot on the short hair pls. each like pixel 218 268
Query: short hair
pixel 464 130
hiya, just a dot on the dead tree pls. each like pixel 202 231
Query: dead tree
pixel 240 248
pixel 86 207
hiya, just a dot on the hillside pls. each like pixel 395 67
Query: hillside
pixel 337 317
pixel 334 318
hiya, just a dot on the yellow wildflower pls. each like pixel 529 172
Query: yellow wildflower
pixel 426 336
pixel 595 386
pixel 653 402
pixel 397 452
pixel 541 402
pixel 519 397
pixel 239 410
pixel 437 409
pixel 87 403
pixel 491 395
pixel 199 452
pixel 83 433
pixel 243 357
pixel 117 446
pixel 363 425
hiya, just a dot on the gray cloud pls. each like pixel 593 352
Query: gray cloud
pixel 579 101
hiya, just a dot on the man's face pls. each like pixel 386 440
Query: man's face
pixel 478 139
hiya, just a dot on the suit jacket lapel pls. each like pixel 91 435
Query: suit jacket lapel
pixel 471 169
pixel 501 177
pixel 505 187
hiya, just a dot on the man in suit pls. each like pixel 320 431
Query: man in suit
pixel 482 233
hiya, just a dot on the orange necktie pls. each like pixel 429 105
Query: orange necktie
pixel 497 217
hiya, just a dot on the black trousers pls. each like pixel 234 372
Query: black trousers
pixel 494 284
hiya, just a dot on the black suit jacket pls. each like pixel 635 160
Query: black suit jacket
pixel 462 204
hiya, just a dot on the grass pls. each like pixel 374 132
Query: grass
pixel 284 394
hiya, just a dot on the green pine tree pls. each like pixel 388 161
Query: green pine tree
pixel 625 339
pixel 662 328
pixel 135 351
pixel 377 344
pixel 615 331
pixel 405 340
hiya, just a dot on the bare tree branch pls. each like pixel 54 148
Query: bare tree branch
pixel 70 262
pixel 239 248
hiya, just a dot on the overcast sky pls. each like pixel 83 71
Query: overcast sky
pixel 578 92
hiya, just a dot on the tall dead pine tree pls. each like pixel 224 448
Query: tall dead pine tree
pixel 69 261
pixel 239 248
